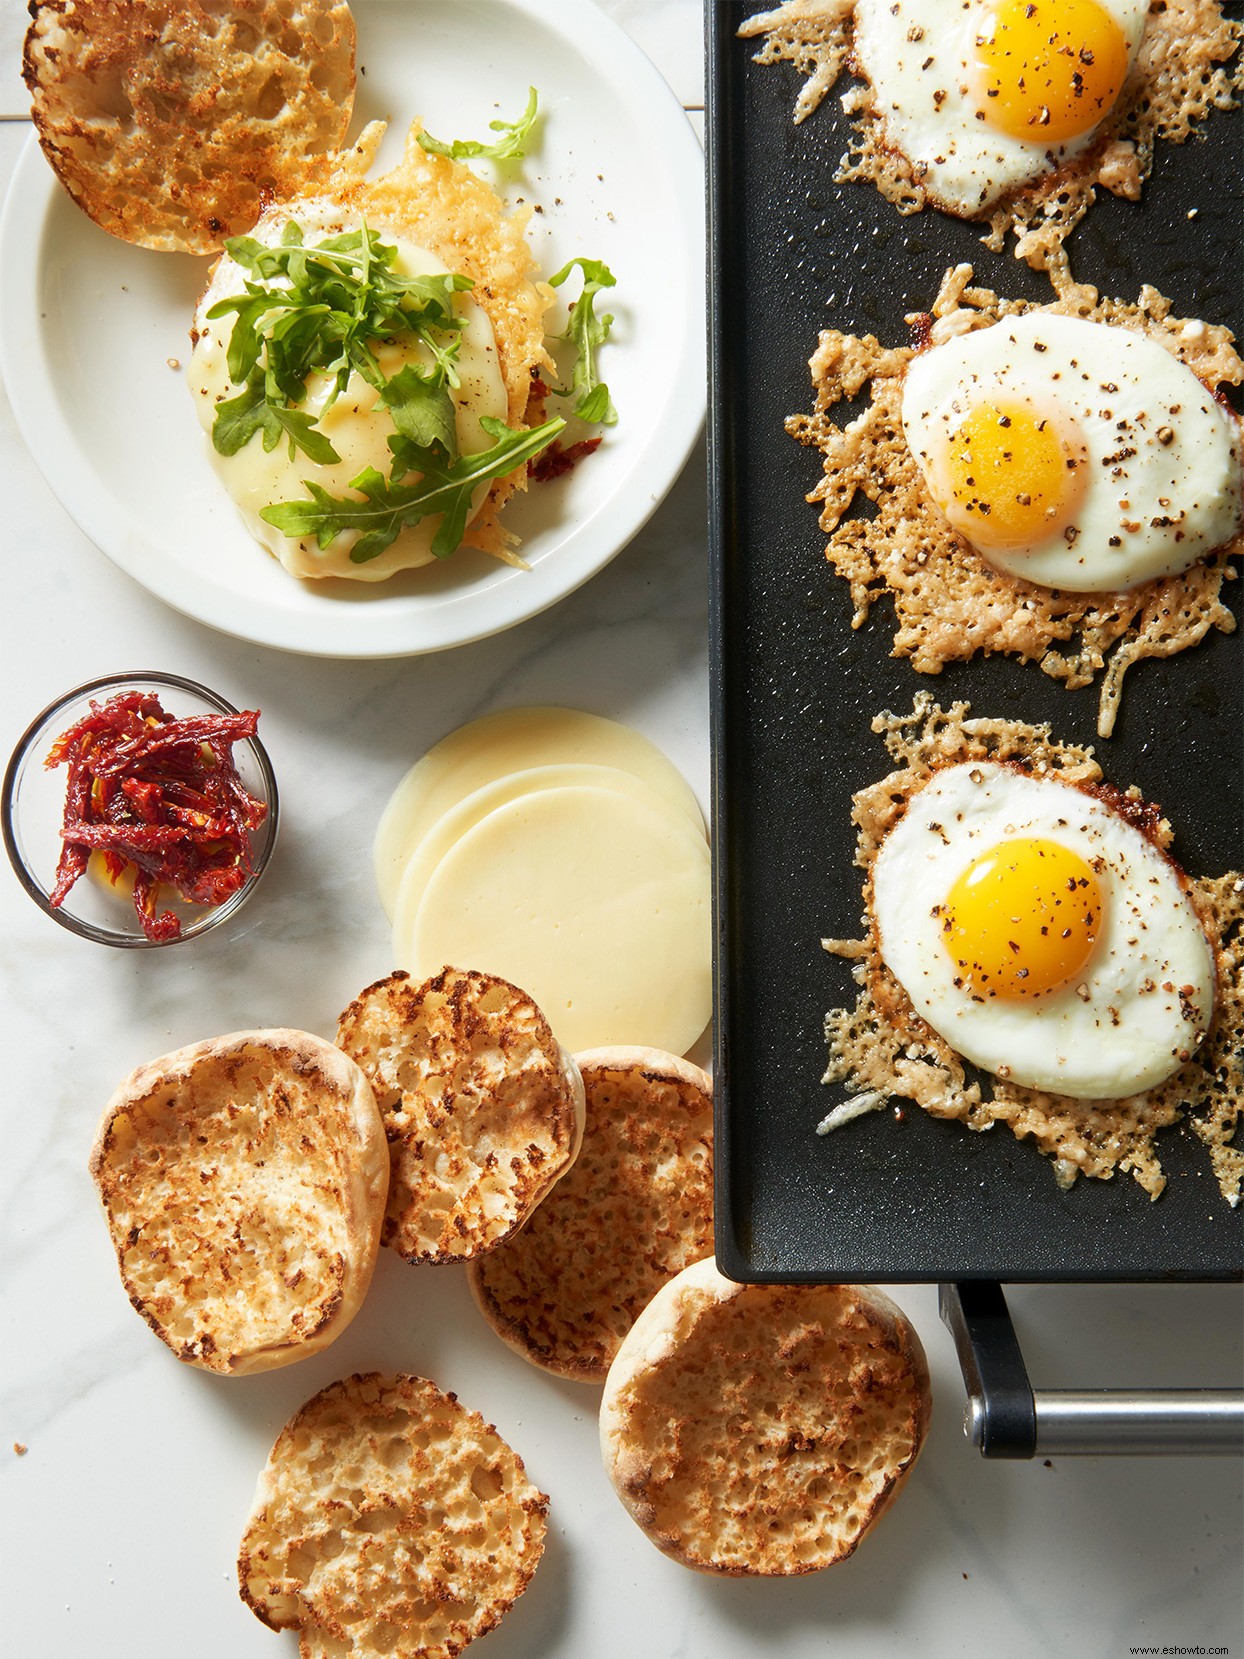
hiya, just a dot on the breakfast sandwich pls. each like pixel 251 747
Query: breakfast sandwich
pixel 763 1430
pixel 369 360
pixel 1033 955
pixel 1058 482
pixel 1008 111
pixel 367 366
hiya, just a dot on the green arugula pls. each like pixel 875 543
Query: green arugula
pixel 421 408
pixel 511 146
pixel 239 418
pixel 388 506
pixel 588 333
pixel 322 310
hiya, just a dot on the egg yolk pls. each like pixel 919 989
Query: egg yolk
pixel 1012 479
pixel 1023 919
pixel 1051 69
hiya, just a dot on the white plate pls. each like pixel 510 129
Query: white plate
pixel 88 326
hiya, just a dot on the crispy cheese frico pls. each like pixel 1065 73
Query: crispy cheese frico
pixel 950 602
pixel 1187 65
pixel 882 1048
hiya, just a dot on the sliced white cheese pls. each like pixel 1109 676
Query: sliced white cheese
pixel 511 740
pixel 596 904
pixel 449 829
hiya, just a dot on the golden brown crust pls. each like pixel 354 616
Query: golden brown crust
pixel 171 124
pixel 389 1521
pixel 882 1048
pixel 763 1429
pixel 483 1110
pixel 243 1180
pixel 635 1208
pixel 1183 69
pixel 950 602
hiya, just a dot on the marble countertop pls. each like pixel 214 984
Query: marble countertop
pixel 120 1521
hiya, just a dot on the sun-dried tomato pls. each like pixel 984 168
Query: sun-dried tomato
pixel 557 460
pixel 158 797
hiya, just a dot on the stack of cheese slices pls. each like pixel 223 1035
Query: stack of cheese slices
pixel 562 852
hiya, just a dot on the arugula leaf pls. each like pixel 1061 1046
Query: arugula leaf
pixel 387 507
pixel 299 427
pixel 587 333
pixel 245 250
pixel 239 418
pixel 422 409
pixel 322 309
pixel 511 146
pixel 244 343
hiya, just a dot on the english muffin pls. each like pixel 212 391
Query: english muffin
pixel 243 1180
pixel 389 1523
pixel 635 1208
pixel 483 1109
pixel 170 122
pixel 763 1429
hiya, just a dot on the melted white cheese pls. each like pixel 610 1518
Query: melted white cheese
pixel 358 425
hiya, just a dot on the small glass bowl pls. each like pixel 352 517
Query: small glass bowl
pixel 33 809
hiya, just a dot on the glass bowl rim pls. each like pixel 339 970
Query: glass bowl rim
pixel 212 915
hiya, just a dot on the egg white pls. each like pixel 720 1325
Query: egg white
pixel 1164 468
pixel 1145 998
pixel 358 426
pixel 917 56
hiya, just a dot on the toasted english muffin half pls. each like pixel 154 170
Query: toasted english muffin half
pixel 170 124
pixel 482 1107
pixel 390 1522
pixel 634 1209
pixel 763 1429
pixel 243 1180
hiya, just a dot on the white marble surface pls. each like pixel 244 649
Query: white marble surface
pixel 120 1522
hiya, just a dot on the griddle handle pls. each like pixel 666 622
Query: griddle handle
pixel 1005 1418
pixel 1002 1412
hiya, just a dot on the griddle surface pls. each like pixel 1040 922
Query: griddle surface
pixel 795 691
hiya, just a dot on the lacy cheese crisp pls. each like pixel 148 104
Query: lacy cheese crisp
pixel 959 106
pixel 952 602
pixel 882 1047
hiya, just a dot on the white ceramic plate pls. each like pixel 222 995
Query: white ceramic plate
pixel 90 326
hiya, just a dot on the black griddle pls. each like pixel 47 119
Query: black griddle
pixel 794 691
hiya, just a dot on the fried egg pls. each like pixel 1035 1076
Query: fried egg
pixel 1038 930
pixel 358 425
pixel 1072 454
pixel 984 96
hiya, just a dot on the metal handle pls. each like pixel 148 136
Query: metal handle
pixel 1172 1422
pixel 1005 1417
